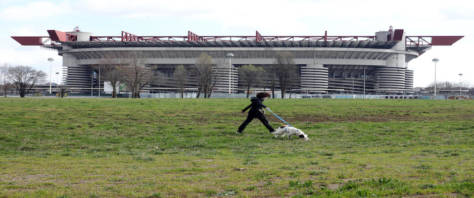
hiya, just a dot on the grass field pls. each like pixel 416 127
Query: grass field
pixel 188 148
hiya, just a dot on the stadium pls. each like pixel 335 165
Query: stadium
pixel 370 64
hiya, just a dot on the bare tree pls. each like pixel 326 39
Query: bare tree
pixel 180 75
pixel 109 71
pixel 446 86
pixel 112 74
pixel 24 78
pixel 285 71
pixel 4 81
pixel 135 74
pixel 250 76
pixel 439 86
pixel 205 75
pixel 271 76
pixel 5 87
pixel 442 85
pixel 62 91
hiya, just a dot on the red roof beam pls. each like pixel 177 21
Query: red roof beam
pixel 435 40
pixel 445 40
pixel 30 40
pixel 57 36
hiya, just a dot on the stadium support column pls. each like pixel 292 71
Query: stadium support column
pixel 77 77
pixel 222 78
pixel 314 79
pixel 391 78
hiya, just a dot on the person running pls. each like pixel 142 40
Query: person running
pixel 256 111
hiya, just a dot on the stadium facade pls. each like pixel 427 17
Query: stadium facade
pixel 373 64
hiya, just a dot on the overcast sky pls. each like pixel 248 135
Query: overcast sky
pixel 243 17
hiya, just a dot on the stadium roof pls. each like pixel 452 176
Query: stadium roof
pixel 241 43
pixel 57 39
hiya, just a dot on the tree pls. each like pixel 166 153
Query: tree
pixel 4 81
pixel 62 91
pixel 180 75
pixel 5 87
pixel 250 76
pixel 440 86
pixel 135 74
pixel 205 75
pixel 111 73
pixel 446 87
pixel 270 75
pixel 24 78
pixel 285 71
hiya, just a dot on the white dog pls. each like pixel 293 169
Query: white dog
pixel 288 131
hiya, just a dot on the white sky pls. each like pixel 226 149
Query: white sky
pixel 243 17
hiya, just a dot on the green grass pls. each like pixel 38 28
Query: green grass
pixel 188 148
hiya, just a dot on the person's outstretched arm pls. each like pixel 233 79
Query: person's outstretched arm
pixel 243 110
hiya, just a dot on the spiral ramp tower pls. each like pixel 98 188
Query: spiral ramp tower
pixel 64 74
pixel 390 80
pixel 409 81
pixel 314 79
pixel 79 78
pixel 391 77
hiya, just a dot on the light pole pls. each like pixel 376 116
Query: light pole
pixel 92 83
pixel 460 81
pixel 230 55
pixel 57 74
pixel 99 79
pixel 435 61
pixel 50 73
pixel 364 82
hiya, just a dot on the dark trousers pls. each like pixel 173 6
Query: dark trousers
pixel 259 116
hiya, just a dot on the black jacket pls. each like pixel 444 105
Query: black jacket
pixel 256 105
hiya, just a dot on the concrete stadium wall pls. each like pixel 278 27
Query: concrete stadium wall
pixel 390 64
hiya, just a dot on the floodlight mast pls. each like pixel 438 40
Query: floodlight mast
pixel 435 61
pixel 50 73
pixel 230 55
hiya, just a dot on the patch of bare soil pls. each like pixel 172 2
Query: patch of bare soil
pixel 346 118
pixel 433 195
pixel 374 118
